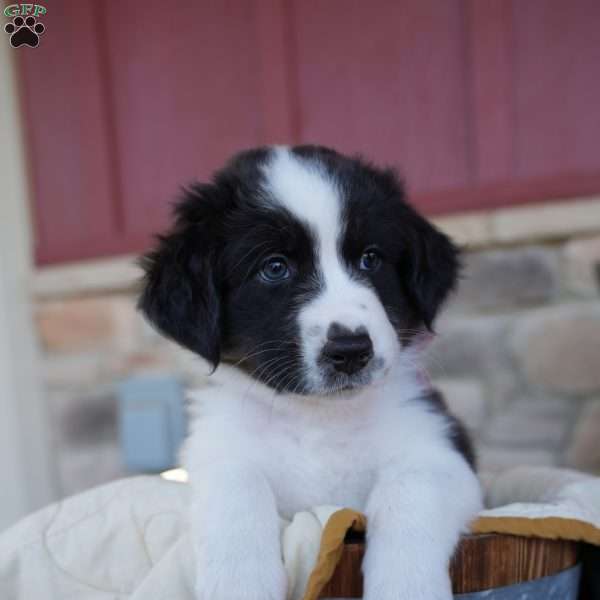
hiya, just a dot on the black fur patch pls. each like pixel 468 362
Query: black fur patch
pixel 458 434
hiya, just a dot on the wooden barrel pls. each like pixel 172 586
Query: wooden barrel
pixel 481 562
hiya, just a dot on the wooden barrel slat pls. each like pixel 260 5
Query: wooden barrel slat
pixel 481 562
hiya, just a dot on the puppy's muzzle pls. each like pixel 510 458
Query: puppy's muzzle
pixel 347 351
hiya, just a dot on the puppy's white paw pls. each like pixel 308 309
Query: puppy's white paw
pixel 248 579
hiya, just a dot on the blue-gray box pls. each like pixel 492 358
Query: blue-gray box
pixel 152 422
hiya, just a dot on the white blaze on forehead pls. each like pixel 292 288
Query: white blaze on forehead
pixel 305 190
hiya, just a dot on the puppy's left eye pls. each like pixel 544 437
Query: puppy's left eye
pixel 274 269
pixel 370 260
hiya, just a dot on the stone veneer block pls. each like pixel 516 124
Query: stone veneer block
pixel 469 230
pixel 499 458
pixel 559 348
pixel 87 277
pixel 545 221
pixel 82 324
pixel 518 430
pixel 584 452
pixel 74 325
pixel 69 371
pixel 581 261
pixel 466 347
pixel 507 278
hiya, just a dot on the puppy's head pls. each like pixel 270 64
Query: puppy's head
pixel 305 267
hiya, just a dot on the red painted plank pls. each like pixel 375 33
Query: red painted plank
pixel 492 88
pixel 560 187
pixel 387 80
pixel 277 73
pixel 186 95
pixel 557 86
pixel 66 129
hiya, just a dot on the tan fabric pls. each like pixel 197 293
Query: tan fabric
pixel 332 545
pixel 553 528
pixel 552 503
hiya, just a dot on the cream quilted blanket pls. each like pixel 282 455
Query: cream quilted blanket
pixel 129 539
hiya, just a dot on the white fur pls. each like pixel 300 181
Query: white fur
pixel 313 198
pixel 254 454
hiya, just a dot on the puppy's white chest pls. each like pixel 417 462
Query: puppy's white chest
pixel 313 451
pixel 313 465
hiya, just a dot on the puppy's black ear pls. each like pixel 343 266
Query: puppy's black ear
pixel 180 295
pixel 436 264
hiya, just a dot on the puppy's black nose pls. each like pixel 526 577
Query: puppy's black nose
pixel 347 351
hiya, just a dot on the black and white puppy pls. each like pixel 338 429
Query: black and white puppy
pixel 306 278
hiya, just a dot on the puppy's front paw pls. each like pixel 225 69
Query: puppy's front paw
pixel 248 579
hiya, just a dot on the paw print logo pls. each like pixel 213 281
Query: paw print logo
pixel 24 32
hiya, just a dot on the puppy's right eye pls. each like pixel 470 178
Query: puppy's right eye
pixel 370 260
pixel 274 269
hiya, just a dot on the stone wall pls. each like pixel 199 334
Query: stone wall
pixel 517 354
pixel 89 345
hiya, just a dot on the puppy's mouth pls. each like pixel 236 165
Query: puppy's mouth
pixel 335 381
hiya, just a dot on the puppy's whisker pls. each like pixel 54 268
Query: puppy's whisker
pixel 275 345
pixel 277 366
pixel 277 385
pixel 287 383
pixel 270 364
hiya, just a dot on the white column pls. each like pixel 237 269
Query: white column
pixel 26 462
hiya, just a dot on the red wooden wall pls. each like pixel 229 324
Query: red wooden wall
pixel 480 103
